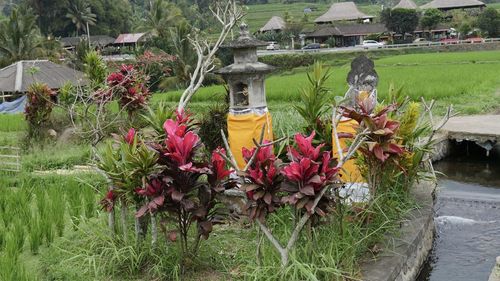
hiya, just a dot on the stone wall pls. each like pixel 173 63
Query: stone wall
pixel 468 47
pixel 403 255
pixel 441 148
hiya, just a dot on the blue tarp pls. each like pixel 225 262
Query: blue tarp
pixel 15 106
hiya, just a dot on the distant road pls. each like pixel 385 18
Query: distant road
pixel 360 48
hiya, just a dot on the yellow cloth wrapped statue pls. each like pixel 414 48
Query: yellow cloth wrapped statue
pixel 243 127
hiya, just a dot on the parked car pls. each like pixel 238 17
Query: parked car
pixel 311 46
pixel 273 46
pixel 474 40
pixel 371 44
pixel 421 40
pixel 449 41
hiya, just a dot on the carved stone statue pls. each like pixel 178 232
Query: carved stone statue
pixel 362 79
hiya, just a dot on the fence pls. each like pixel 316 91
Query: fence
pixel 442 43
pixel 477 41
pixel 10 160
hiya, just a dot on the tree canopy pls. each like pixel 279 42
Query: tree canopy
pixel 489 22
pixel 400 21
pixel 431 18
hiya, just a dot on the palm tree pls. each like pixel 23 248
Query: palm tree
pixel 20 37
pixel 160 17
pixel 81 15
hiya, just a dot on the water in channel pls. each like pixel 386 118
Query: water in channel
pixel 467 217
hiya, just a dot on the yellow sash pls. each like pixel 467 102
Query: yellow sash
pixel 243 128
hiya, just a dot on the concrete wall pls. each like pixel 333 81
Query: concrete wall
pixel 441 148
pixel 403 255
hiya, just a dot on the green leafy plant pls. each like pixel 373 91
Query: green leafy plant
pixel 314 99
pixel 155 117
pixel 95 68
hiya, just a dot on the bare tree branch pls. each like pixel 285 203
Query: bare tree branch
pixel 228 14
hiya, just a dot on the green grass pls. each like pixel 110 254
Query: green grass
pixel 494 5
pixel 468 80
pixel 33 214
pixel 12 123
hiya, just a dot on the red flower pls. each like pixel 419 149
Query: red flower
pixel 129 138
pixel 173 128
pixel 180 149
pixel 264 153
pixel 326 170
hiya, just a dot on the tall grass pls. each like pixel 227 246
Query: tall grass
pixel 12 123
pixel 33 212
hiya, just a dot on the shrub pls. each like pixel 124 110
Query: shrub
pixel 211 124
pixel 38 109
pixel 155 66
pixel 129 86
pixel 288 61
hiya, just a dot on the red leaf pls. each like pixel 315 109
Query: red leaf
pixel 159 200
pixel 172 235
pixel 268 198
pixel 177 196
pixel 379 153
pixel 307 190
pixel 394 149
pixel 142 211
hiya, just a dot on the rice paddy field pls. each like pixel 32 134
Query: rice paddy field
pixel 470 81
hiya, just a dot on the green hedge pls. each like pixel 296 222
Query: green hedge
pixel 289 61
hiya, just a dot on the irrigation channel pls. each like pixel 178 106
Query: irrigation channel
pixel 467 216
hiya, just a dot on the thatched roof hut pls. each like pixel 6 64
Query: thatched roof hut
pixel 446 5
pixel 274 24
pixel 17 77
pixel 406 4
pixel 342 12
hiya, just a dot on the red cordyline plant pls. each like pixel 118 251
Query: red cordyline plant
pixel 128 85
pixel 302 184
pixel 382 145
pixel 307 174
pixel 38 107
pixel 264 175
pixel 177 192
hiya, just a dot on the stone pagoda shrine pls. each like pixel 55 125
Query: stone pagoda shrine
pixel 248 112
